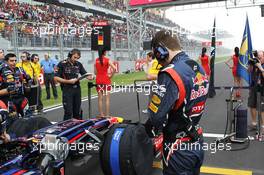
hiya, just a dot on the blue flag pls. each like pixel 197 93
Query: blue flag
pixel 245 54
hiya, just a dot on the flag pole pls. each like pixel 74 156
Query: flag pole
pixel 212 92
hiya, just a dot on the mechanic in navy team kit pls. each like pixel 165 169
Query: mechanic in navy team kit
pixel 67 74
pixel 12 85
pixel 177 106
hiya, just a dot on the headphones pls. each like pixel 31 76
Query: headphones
pixel 73 51
pixel 160 52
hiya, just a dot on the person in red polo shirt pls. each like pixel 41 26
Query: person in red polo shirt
pixel 103 80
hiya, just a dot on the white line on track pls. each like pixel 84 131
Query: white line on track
pixel 211 135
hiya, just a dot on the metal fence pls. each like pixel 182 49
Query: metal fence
pixel 17 35
pixel 24 35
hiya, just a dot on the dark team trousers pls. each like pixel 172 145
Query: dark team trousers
pixel 34 97
pixel 19 102
pixel 49 79
pixel 185 161
pixel 71 98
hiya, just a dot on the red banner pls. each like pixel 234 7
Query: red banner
pixel 146 2
pixel 100 23
pixel 139 64
pixel 209 43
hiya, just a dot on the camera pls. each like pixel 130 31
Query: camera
pixel 253 61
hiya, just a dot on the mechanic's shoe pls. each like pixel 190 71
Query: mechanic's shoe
pixel 145 111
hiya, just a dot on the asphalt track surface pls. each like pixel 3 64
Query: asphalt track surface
pixel 214 121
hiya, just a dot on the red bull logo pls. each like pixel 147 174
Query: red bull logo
pixel 200 79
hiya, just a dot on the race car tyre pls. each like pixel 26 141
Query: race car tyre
pixel 24 127
pixel 127 150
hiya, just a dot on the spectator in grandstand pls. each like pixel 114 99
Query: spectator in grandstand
pixel 103 80
pixel 205 62
pixel 237 79
pixel 257 82
pixel 151 68
pixel 37 67
pixel 49 67
pixel 173 107
pixel 67 75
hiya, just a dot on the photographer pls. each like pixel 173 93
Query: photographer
pixel 256 69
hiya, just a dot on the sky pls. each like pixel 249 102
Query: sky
pixel 231 20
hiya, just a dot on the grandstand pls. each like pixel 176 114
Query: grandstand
pixel 26 24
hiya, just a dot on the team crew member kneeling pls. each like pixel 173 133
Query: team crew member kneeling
pixel 67 75
pixel 177 106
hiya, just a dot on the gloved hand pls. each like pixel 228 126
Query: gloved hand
pixel 150 129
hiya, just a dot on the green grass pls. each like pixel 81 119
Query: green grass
pixel 119 79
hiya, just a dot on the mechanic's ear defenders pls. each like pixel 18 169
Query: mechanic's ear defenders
pixel 73 51
pixel 70 54
pixel 160 52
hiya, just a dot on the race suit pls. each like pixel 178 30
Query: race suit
pixel 176 109
pixel 13 80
